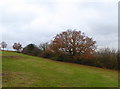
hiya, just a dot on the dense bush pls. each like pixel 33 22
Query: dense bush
pixel 104 58
pixel 107 58
pixel 32 49
pixel 62 57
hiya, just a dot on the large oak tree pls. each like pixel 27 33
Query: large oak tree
pixel 73 43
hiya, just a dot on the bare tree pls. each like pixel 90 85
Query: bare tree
pixel 17 46
pixel 3 45
pixel 43 46
pixel 73 43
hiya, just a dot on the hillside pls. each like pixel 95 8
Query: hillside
pixel 28 71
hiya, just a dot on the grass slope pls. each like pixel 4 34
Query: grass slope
pixel 28 71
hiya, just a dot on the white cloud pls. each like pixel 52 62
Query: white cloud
pixel 39 20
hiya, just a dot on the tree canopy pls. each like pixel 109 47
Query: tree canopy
pixel 73 43
pixel 3 45
pixel 17 46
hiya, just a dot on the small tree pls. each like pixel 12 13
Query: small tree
pixel 3 45
pixel 17 46
pixel 45 51
pixel 43 46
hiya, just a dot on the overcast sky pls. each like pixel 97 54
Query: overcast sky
pixel 38 21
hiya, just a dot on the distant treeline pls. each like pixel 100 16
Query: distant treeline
pixel 72 46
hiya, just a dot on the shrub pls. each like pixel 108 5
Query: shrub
pixel 31 49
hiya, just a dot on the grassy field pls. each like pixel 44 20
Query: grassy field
pixel 21 70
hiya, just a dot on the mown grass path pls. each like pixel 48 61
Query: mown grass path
pixel 28 71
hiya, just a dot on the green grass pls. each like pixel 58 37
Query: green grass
pixel 28 71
